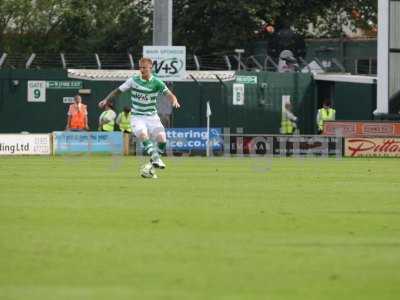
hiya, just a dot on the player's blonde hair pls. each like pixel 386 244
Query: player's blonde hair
pixel 146 60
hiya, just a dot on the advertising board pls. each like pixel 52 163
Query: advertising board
pixel 372 147
pixel 286 145
pixel 25 144
pixel 359 128
pixel 87 142
pixel 194 139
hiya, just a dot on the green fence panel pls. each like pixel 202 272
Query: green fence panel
pixel 354 101
pixel 17 114
pixel 261 112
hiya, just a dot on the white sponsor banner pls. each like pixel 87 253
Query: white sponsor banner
pixel 169 62
pixel 25 144
pixel 36 91
pixel 238 94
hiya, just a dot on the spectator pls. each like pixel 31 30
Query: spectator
pixel 287 62
pixel 326 113
pixel 107 117
pixel 124 120
pixel 77 115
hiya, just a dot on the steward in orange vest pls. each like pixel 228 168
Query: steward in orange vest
pixel 77 115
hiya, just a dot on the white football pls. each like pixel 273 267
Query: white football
pixel 148 171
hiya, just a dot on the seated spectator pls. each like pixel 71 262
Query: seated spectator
pixel 77 115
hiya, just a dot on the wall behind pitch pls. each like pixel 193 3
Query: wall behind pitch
pixel 17 114
pixel 264 101
pixel 260 114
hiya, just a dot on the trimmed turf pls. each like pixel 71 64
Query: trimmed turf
pixel 91 228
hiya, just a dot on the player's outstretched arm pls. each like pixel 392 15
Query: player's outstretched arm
pixel 111 96
pixel 172 98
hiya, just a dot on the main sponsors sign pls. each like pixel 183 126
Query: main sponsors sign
pixel 25 144
pixel 194 139
pixel 169 62
pixel 366 147
pixel 87 142
pixel 286 145
pixel 351 129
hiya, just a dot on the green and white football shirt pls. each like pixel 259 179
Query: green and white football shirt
pixel 144 94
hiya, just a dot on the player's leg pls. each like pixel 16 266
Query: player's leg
pixel 140 130
pixel 157 133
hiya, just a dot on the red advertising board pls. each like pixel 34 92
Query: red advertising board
pixel 340 128
pixel 366 147
pixel 351 129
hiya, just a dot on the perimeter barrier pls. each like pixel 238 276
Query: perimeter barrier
pixel 194 141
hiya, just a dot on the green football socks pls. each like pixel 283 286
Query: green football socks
pixel 148 147
pixel 162 147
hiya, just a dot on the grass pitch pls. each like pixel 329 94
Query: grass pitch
pixel 91 228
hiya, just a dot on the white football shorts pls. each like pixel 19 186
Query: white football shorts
pixel 150 124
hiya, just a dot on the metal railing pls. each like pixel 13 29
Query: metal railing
pixel 361 65
pixel 217 61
